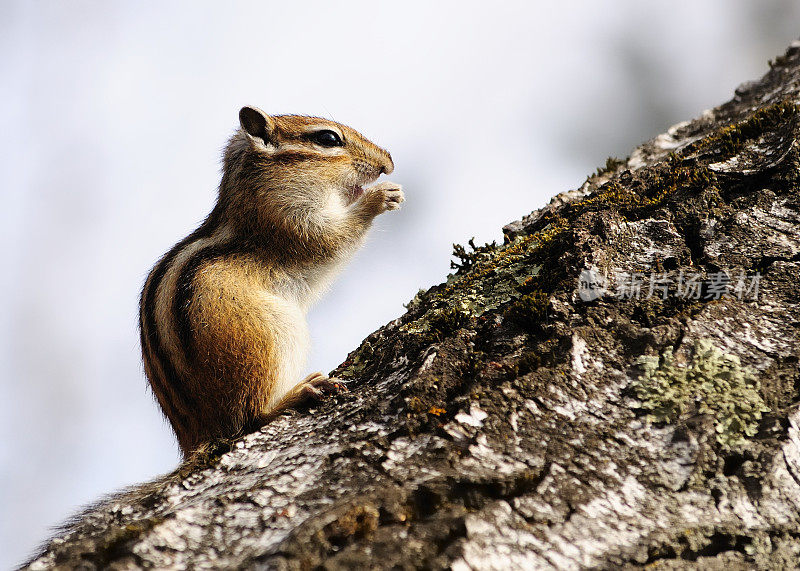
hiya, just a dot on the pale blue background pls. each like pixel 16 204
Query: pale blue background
pixel 113 115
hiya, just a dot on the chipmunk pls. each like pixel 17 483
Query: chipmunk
pixel 223 313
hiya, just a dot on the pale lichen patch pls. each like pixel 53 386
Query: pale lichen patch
pixel 714 383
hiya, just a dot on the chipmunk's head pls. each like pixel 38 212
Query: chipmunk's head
pixel 297 161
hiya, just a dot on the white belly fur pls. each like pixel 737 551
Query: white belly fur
pixel 292 342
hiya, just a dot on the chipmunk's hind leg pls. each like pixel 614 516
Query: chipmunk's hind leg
pixel 315 386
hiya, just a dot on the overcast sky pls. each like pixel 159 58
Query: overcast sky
pixel 114 115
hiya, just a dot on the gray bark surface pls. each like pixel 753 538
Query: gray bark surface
pixel 504 422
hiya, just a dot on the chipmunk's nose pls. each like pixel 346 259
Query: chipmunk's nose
pixel 386 164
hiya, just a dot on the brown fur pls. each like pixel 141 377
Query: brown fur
pixel 223 313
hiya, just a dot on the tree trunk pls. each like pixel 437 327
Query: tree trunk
pixel 616 385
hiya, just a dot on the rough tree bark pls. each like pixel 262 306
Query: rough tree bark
pixel 504 422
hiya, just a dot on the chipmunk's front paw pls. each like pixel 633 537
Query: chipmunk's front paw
pixel 393 198
pixel 386 196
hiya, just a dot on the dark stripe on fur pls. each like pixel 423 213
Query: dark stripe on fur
pixel 149 328
pixel 149 332
pixel 164 397
pixel 292 157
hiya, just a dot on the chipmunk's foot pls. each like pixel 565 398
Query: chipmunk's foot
pixel 318 386
pixel 315 387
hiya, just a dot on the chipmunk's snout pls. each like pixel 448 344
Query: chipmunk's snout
pixel 386 165
pixel 370 168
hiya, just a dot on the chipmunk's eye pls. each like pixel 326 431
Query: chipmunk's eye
pixel 327 138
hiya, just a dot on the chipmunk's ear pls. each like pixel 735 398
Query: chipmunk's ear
pixel 257 123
